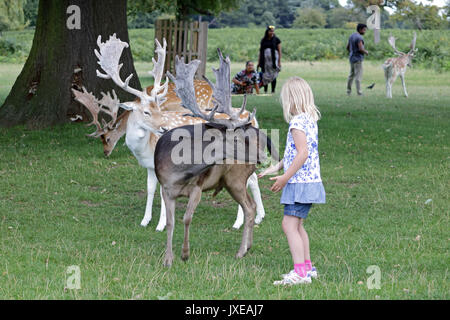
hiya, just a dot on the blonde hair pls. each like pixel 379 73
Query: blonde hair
pixel 296 98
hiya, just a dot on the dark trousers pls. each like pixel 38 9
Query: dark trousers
pixel 273 84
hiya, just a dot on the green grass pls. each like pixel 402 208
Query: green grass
pixel 62 203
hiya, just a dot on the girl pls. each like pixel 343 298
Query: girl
pixel 301 182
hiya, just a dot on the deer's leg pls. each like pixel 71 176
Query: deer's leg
pixel 386 78
pixel 239 219
pixel 388 89
pixel 402 77
pixel 252 182
pixel 256 192
pixel 239 192
pixel 194 199
pixel 162 217
pixel 391 82
pixel 170 212
pixel 152 181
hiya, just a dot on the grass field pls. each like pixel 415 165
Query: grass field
pixel 385 167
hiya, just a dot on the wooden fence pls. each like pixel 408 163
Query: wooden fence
pixel 187 39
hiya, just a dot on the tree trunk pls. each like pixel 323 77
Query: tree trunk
pixel 61 59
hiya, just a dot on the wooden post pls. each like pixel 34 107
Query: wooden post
pixel 202 48
pixel 188 39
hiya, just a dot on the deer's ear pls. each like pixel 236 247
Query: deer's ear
pixel 126 106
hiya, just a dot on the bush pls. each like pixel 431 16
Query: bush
pixel 8 48
pixel 242 44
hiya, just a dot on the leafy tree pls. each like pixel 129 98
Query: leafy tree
pixel 268 19
pixel 30 11
pixel 310 18
pixel 338 17
pixel 324 4
pixel 61 59
pixel 183 9
pixel 284 13
pixel 11 15
pixel 413 15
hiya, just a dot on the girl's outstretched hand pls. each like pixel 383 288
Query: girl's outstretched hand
pixel 280 182
pixel 272 169
pixel 269 170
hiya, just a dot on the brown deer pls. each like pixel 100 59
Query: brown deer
pixel 191 178
pixel 139 138
pixel 394 67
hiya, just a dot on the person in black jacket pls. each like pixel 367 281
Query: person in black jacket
pixel 270 58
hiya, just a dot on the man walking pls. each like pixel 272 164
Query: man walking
pixel 355 47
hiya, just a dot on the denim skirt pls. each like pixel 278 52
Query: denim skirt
pixel 313 192
pixel 299 210
pixel 299 197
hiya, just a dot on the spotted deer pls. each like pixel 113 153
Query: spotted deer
pixel 394 67
pixel 110 133
pixel 191 178
pixel 139 138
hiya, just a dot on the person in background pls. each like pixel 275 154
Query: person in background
pixel 270 58
pixel 355 47
pixel 246 80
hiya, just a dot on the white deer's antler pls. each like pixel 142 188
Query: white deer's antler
pixel 391 41
pixel 110 106
pixel 94 107
pixel 413 43
pixel 109 58
pixel 158 72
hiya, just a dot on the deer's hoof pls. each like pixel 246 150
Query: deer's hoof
pixel 160 228
pixel 237 225
pixel 168 262
pixel 240 254
pixel 184 256
pixel 144 223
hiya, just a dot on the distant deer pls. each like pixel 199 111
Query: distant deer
pixel 394 67
pixel 143 145
pixel 192 178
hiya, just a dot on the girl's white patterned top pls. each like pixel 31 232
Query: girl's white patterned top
pixel 310 171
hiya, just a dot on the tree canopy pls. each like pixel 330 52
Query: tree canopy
pixel 16 14
pixel 12 14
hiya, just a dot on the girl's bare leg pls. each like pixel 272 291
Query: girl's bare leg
pixel 291 227
pixel 305 240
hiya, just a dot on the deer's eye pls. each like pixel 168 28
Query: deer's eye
pixel 147 113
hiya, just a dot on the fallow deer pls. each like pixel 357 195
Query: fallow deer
pixel 192 177
pixel 115 129
pixel 139 138
pixel 394 67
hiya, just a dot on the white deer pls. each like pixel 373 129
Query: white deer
pixel 394 67
pixel 140 137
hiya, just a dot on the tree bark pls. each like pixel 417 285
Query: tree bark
pixel 61 59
